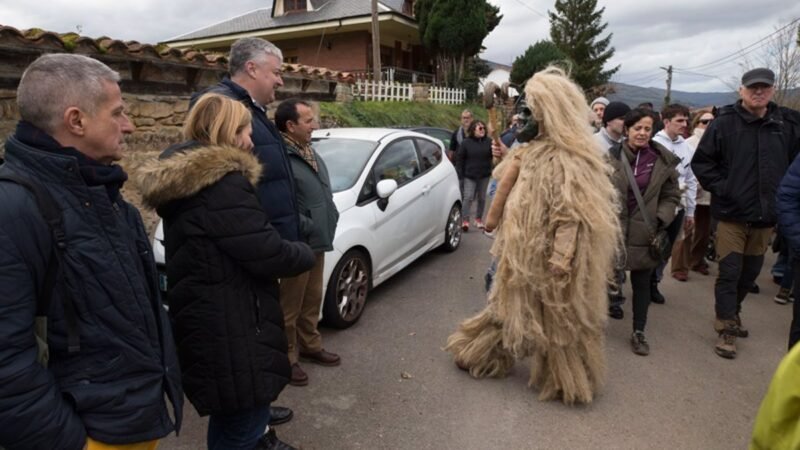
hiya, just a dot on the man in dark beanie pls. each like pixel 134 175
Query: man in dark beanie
pixel 607 137
pixel 741 159
pixel 611 132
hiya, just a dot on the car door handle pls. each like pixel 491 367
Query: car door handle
pixel 425 190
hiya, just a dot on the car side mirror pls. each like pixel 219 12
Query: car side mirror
pixel 385 189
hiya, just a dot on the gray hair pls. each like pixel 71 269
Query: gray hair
pixel 57 81
pixel 250 49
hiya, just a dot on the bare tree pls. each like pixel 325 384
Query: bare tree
pixel 782 55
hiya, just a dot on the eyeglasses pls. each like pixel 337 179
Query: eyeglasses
pixel 705 121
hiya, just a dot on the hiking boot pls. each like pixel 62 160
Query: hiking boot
pixel 479 224
pixel 656 296
pixel 639 343
pixel 741 330
pixel 783 296
pixel 465 225
pixel 726 343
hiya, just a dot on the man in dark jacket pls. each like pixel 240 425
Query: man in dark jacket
pixel 111 352
pixel 255 73
pixel 459 134
pixel 301 296
pixel 741 159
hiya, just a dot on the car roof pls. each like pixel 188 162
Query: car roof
pixel 367 134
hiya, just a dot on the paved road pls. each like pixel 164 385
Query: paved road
pixel 397 390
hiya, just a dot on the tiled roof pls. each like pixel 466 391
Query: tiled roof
pixel 40 41
pixel 324 10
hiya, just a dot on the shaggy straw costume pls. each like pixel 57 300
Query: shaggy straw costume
pixel 556 245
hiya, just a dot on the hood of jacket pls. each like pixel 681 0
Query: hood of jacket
pixel 188 169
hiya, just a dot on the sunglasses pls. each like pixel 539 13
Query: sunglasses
pixel 705 121
pixel 479 128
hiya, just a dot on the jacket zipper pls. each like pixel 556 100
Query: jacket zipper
pixel 258 313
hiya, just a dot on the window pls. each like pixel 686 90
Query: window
pixel 293 6
pixel 430 154
pixel 398 162
pixel 408 7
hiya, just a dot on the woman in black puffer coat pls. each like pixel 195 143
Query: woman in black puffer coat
pixel 223 262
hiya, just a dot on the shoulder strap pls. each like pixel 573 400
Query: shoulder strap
pixel 51 213
pixel 635 188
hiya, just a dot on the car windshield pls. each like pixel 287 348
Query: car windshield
pixel 345 159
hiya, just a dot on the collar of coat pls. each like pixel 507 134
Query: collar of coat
pixel 188 171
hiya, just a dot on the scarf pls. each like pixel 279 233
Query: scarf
pixel 303 150
pixel 93 173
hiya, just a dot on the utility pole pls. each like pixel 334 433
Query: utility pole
pixel 376 43
pixel 668 97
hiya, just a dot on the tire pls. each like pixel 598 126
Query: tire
pixel 347 290
pixel 452 229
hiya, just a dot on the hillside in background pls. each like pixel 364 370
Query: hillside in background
pixel 634 95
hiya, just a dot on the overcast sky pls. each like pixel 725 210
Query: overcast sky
pixel 647 34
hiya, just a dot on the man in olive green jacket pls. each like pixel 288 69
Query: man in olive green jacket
pixel 301 296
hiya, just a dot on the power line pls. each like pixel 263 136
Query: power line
pixel 741 52
pixel 531 8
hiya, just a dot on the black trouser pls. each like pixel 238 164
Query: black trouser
pixel 640 284
pixel 794 331
pixel 673 230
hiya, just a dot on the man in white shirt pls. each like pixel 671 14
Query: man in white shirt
pixel 676 120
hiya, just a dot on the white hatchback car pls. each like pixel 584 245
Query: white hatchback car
pixel 397 197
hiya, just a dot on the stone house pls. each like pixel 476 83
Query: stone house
pixel 157 81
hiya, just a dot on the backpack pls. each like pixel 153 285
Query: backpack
pixel 52 216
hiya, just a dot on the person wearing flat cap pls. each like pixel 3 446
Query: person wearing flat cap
pixel 741 159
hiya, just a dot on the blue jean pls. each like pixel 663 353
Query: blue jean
pixel 474 189
pixel 238 431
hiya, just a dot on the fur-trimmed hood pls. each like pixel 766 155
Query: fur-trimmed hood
pixel 188 169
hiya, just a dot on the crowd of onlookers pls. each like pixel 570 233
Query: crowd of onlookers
pixel 90 359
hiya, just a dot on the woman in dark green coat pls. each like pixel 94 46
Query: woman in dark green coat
pixel 653 168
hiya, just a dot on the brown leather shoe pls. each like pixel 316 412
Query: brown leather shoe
pixel 299 377
pixel 322 358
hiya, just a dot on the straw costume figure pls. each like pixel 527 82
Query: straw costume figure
pixel 557 238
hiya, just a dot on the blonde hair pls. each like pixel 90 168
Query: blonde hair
pixel 216 119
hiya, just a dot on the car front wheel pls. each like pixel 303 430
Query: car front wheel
pixel 347 290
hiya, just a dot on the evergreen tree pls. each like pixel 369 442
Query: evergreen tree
pixel 535 58
pixel 575 28
pixel 453 31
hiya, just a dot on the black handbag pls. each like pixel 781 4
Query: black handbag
pixel 659 248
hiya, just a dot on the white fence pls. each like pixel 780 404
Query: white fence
pixel 447 96
pixel 383 91
pixel 388 91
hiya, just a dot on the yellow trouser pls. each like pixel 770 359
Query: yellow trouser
pixel 91 444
